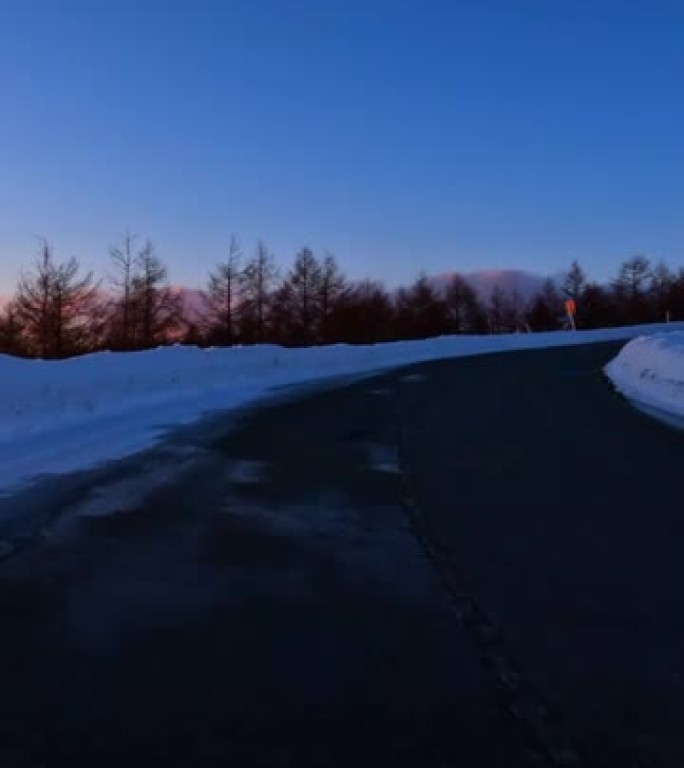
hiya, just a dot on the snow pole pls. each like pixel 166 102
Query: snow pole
pixel 571 309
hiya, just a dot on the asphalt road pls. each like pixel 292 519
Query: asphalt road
pixel 466 563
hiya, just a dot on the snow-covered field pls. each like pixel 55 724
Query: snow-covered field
pixel 649 370
pixel 57 417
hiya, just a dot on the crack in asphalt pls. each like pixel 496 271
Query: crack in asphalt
pixel 520 700
pixel 549 741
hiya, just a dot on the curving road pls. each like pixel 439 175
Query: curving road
pixel 473 562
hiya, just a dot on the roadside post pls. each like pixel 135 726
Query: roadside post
pixel 571 309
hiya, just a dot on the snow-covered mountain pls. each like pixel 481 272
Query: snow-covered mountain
pixel 526 284
pixel 192 302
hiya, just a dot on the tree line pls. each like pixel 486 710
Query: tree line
pixel 59 311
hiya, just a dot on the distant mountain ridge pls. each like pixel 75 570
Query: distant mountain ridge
pixel 192 303
pixel 526 284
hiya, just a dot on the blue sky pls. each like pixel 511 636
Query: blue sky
pixel 403 136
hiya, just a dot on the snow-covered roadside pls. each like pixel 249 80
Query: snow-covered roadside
pixel 649 371
pixel 61 416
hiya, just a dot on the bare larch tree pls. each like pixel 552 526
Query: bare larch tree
pixel 52 304
pixel 259 275
pixel 222 298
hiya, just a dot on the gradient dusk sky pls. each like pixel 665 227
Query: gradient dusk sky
pixel 402 136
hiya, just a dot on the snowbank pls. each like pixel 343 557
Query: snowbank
pixel 71 414
pixel 650 371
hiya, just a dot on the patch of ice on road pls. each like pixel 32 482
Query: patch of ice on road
pixel 413 378
pixel 326 515
pixel 244 471
pixel 127 495
pixel 372 547
pixel 383 458
pixel 650 372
